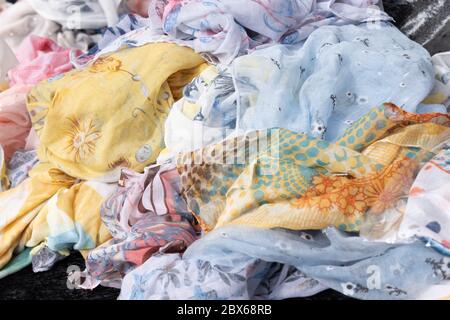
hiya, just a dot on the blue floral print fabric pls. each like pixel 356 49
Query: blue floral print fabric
pixel 338 75
pixel 320 88
pixel 169 277
pixel 225 29
pixel 247 124
pixel 227 264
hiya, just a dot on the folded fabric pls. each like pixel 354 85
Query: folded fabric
pixel 87 140
pixel 43 258
pixel 201 116
pixel 145 215
pixel 19 165
pixel 422 21
pixel 319 89
pixel 222 30
pixel 278 178
pixel 126 24
pixel 227 29
pixel 336 77
pixel 75 14
pixel 52 208
pixel 139 7
pixel 19 262
pixel 39 58
pixel 226 264
pixel 19 206
pixel 7 61
pixel 71 218
pixel 167 277
pixel 21 20
pixel 384 225
pixel 426 215
pixel 437 292
pixel 15 122
pixel 441 90
pixel 4 183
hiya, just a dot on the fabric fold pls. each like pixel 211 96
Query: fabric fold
pixel 110 115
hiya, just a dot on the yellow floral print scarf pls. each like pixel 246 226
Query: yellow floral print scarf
pixel 111 115
pixel 91 123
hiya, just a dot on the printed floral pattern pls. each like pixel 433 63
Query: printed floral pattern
pixel 231 263
pixel 105 64
pixel 203 280
pixel 280 223
pixel 320 182
pixel 109 115
pixel 145 215
pixel 353 197
pixel 81 137
pixel 425 215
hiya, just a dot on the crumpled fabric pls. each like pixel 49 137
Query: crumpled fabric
pixel 20 261
pixel 7 61
pixel 139 7
pixel 412 215
pixel 4 182
pixel 21 20
pixel 44 258
pixel 199 118
pixel 74 14
pixel 71 218
pixel 222 266
pixel 59 210
pixel 278 178
pixel 15 122
pixel 19 165
pixel 39 59
pixel 331 81
pixel 166 276
pixel 126 24
pixel 426 215
pixel 441 90
pixel 222 30
pixel 145 215
pixel 318 89
pixel 87 140
pixel 54 208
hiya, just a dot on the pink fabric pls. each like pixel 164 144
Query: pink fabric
pixel 32 141
pixel 14 120
pixel 139 7
pixel 39 58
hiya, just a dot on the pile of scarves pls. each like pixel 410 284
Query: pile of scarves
pixel 224 149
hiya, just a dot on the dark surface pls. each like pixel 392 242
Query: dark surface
pixel 433 33
pixel 424 21
pixel 25 285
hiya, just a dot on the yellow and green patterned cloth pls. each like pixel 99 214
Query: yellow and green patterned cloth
pixel 278 178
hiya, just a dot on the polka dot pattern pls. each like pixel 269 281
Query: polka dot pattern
pixel 264 189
